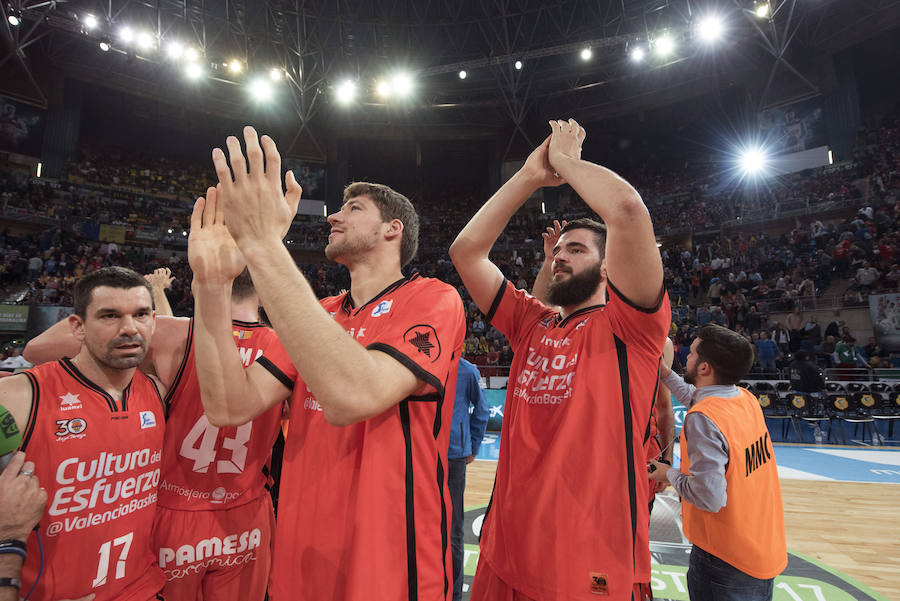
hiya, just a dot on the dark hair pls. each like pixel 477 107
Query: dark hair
pixel 112 277
pixel 242 286
pixel 392 205
pixel 801 355
pixel 596 227
pixel 728 353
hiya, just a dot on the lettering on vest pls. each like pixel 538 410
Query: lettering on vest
pixel 757 454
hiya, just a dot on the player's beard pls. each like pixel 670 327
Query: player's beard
pixel 577 288
pixel 108 357
pixel 347 248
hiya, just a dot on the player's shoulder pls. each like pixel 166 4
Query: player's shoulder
pixel 418 285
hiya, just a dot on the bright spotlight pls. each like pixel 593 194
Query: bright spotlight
pixel 664 45
pixel 346 92
pixel 753 161
pixel 637 54
pixel 518 65
pixel 144 41
pixel 586 54
pixel 126 34
pixel 402 84
pixel 14 19
pixel 235 66
pixel 710 29
pixel 174 50
pixel 275 74
pixel 383 89
pixel 90 21
pixel 193 71
pixel 761 9
pixel 191 54
pixel 104 45
pixel 463 74
pixel 261 90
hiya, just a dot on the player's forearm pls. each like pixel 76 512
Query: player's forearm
pixel 610 196
pixel 54 343
pixel 633 262
pixel 161 301
pixel 539 291
pixel 479 235
pixel 10 567
pixel 337 369
pixel 227 395
pixel 665 419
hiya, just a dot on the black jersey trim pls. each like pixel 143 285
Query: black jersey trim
pixel 622 356
pixel 276 372
pixel 162 401
pixel 347 302
pixel 73 371
pixel 563 321
pixel 487 510
pixel 411 566
pixel 32 417
pixel 654 309
pixel 652 406
pixel 440 490
pixel 188 343
pixel 246 324
pixel 496 304
pixel 412 366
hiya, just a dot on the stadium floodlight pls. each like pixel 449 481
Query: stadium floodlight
pixel 145 41
pixel 402 84
pixel 90 22
pixel 383 88
pixel 174 50
pixel 587 54
pixel 463 74
pixel 275 74
pixel 753 161
pixel 191 54
pixel 518 65
pixel 710 29
pixel 637 54
pixel 761 9
pixel 126 34
pixel 194 71
pixel 664 45
pixel 105 45
pixel 15 17
pixel 261 89
pixel 345 93
pixel 235 66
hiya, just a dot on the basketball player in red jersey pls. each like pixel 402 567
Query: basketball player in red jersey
pixel 364 510
pixel 214 522
pixel 569 508
pixel 93 426
pixel 660 431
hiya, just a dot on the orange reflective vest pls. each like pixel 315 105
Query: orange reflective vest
pixel 748 532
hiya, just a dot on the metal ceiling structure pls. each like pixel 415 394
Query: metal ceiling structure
pixel 316 44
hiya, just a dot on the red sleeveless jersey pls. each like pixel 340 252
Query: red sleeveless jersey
pixel 365 510
pixel 568 517
pixel 207 467
pixel 99 460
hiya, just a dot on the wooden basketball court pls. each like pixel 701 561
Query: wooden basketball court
pixel 852 527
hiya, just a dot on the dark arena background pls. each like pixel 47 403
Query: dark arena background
pixel 762 135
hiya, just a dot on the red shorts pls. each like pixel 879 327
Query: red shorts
pixel 487 586
pixel 221 554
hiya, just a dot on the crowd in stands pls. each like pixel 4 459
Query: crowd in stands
pixel 736 277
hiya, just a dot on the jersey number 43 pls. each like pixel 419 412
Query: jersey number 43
pixel 204 454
